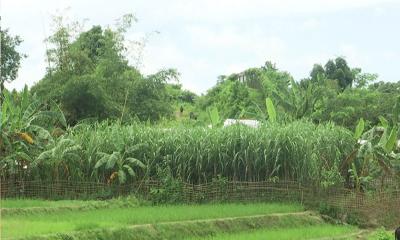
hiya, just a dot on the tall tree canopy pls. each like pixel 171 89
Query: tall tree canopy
pixel 90 76
pixel 10 58
pixel 243 95
pixel 333 92
pixel 337 70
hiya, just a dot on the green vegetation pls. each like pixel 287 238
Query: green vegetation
pixel 89 76
pixel 23 207
pixel 51 132
pixel 66 221
pixel 94 117
pixel 32 203
pixel 217 221
pixel 303 233
pixel 381 234
pixel 334 93
pixel 10 59
pixel 110 152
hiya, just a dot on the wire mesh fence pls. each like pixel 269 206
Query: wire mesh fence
pixel 214 191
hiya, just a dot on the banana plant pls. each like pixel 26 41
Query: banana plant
pixel 375 152
pixel 29 118
pixel 297 101
pixel 25 125
pixel 214 117
pixel 62 154
pixel 120 163
pixel 270 110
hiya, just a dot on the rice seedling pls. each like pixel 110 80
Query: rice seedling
pixel 303 233
pixel 65 221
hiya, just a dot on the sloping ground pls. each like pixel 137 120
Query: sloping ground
pixel 124 219
pixel 12 207
pixel 34 222
pixel 309 232
pixel 192 228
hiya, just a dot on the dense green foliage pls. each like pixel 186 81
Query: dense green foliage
pixel 84 120
pixel 107 151
pixel 335 93
pixel 10 59
pixel 243 95
pixel 27 125
pixel 90 77
pixel 97 118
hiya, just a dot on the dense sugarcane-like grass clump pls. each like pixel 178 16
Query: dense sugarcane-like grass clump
pixel 109 151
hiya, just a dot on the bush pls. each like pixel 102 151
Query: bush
pixel 170 191
pixel 329 210
pixel 382 234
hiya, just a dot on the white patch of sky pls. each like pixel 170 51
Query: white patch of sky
pixel 205 39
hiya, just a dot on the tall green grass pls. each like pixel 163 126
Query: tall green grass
pixel 297 151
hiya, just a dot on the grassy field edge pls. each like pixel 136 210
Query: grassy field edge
pixel 80 206
pixel 192 228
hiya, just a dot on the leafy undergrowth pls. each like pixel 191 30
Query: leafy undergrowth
pixel 24 225
pixel 381 234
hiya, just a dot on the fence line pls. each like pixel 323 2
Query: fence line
pixel 213 191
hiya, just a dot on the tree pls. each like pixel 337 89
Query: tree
pixel 83 97
pixel 231 97
pixel 317 72
pixel 350 105
pixel 90 76
pixel 362 80
pixel 305 98
pixel 340 71
pixel 385 87
pixel 59 54
pixel 237 99
pixel 148 98
pixel 10 59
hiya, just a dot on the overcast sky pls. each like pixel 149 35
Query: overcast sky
pixel 207 38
